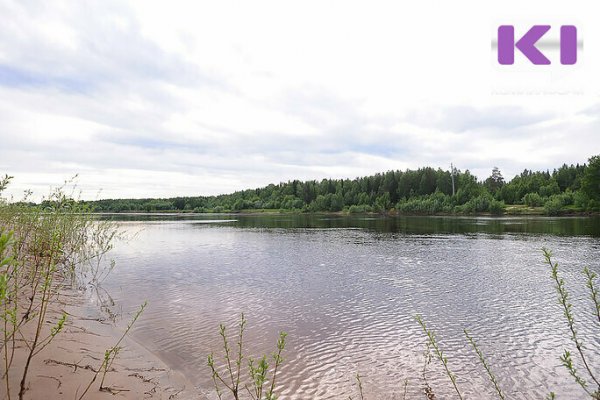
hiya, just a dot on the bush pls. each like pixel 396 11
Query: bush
pixel 580 200
pixel 553 206
pixel 533 200
pixel 497 207
pixel 42 248
pixel 430 204
pixel 567 198
pixel 549 189
pixel 360 209
pixel 482 203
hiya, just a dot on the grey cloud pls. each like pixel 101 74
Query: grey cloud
pixel 467 118
pixel 103 54
pixel 120 80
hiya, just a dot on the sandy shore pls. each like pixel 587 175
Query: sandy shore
pixel 66 366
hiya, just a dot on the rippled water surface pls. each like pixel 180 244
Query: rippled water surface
pixel 347 290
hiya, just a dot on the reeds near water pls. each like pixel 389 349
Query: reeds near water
pixel 43 249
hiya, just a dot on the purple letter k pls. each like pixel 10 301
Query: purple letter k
pixel 506 44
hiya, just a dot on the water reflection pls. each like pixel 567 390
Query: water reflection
pixel 560 226
pixel 347 290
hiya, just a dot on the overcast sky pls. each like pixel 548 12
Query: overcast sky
pixel 158 99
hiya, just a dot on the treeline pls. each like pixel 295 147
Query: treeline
pixel 570 188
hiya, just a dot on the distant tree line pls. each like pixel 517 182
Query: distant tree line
pixel 570 188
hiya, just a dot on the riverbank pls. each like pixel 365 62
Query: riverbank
pixel 68 364
pixel 511 210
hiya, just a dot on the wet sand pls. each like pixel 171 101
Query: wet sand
pixel 66 366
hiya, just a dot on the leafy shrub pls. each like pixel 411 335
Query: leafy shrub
pixel 483 203
pixel 360 209
pixel 550 189
pixel 429 204
pixel 553 206
pixel 533 200
pixel 580 200
pixel 228 375
pixel 497 207
pixel 42 248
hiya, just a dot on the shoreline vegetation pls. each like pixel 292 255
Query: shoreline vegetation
pixel 52 259
pixel 509 211
pixel 567 190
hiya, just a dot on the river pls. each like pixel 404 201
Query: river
pixel 347 290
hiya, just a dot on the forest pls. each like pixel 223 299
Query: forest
pixel 568 189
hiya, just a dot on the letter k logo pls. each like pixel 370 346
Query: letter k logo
pixel 506 44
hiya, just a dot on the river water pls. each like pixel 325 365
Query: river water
pixel 347 290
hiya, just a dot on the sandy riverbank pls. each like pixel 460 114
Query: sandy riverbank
pixel 65 367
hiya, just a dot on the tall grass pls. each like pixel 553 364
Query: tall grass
pixel 228 374
pixel 592 389
pixel 582 374
pixel 110 355
pixel 433 343
pixel 42 250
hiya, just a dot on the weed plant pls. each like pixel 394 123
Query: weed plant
pixel 228 374
pixel 110 355
pixel 582 374
pixel 43 249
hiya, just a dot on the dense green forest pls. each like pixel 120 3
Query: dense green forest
pixel 568 189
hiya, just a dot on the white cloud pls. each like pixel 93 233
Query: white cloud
pixel 186 98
